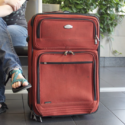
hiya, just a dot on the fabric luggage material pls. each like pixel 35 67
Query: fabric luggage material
pixel 63 60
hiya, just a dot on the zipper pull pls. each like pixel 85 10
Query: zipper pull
pixel 65 53
pixel 45 62
pixel 72 52
pixel 96 39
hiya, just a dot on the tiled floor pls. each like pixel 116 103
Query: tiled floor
pixel 111 109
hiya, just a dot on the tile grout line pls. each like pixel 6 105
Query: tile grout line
pixel 106 82
pixel 24 109
pixel 73 120
pixel 113 71
pixel 113 113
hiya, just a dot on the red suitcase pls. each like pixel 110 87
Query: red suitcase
pixel 63 64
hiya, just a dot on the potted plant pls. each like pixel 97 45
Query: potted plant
pixel 51 5
pixel 107 12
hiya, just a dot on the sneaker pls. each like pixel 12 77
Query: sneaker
pixel 3 107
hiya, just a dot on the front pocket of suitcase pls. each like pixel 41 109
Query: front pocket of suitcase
pixel 66 82
pixel 66 33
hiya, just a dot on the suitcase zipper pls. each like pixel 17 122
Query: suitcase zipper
pixel 66 62
pixel 70 52
pixel 89 15
pixel 95 35
pixel 94 74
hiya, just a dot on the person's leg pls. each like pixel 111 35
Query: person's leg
pixel 2 88
pixel 18 35
pixel 8 60
pixel 8 56
pixel 3 106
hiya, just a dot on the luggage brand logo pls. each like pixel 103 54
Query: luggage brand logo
pixel 47 102
pixel 68 26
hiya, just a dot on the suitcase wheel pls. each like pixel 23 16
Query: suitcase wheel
pixel 34 117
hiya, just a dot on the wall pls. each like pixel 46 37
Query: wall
pixel 33 7
pixel 118 42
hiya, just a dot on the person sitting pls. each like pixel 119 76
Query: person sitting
pixel 13 32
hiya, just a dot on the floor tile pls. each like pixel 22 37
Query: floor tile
pixel 102 117
pixel 120 114
pixel 13 96
pixel 103 70
pixel 101 108
pixel 113 102
pixel 110 75
pixel 117 69
pixel 116 82
pixel 109 71
pixel 26 107
pixel 113 76
pixel 113 79
pixel 12 119
pixel 67 120
pixel 25 96
pixel 103 83
pixel 112 94
pixel 15 106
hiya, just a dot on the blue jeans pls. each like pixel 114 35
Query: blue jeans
pixel 10 36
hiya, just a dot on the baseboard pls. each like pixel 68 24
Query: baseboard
pixel 106 89
pixel 104 61
pixel 112 61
